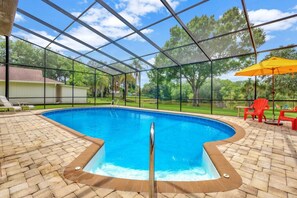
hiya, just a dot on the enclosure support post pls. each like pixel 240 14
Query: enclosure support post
pixel 251 37
pixel 255 88
pixel 95 86
pixel 139 89
pixel 44 78
pixel 7 67
pixel 180 89
pixel 211 88
pixel 72 95
pixel 255 85
pixel 125 92
pixel 157 89
pixel 112 90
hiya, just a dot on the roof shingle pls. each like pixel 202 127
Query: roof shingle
pixel 25 75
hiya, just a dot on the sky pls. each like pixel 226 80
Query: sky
pixel 141 13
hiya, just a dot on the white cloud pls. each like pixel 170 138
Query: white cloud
pixel 106 23
pixel 34 39
pixel 151 60
pixel 39 41
pixel 83 2
pixel 264 15
pixel 103 21
pixel 64 40
pixel 136 37
pixel 18 17
pixel 173 3
pixel 295 7
pixel 231 76
pixel 133 10
pixel 86 36
pixel 269 37
pixel 76 14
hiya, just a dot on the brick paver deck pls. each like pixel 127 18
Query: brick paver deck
pixel 34 152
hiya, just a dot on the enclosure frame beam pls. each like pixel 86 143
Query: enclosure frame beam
pixel 157 88
pixel 72 73
pixel 253 42
pixel 95 87
pixel 61 45
pixel 7 67
pixel 180 90
pixel 152 24
pixel 95 31
pixel 59 55
pixel 118 16
pixel 62 32
pixel 249 27
pixel 68 26
pixel 139 89
pixel 125 93
pixel 44 78
pixel 211 87
pixel 185 28
pixel 112 90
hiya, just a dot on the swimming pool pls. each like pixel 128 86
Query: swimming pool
pixel 178 148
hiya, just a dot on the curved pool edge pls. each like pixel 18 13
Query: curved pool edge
pixel 220 162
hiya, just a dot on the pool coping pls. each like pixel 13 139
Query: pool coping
pixel 216 185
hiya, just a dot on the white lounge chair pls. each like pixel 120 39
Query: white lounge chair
pixel 8 105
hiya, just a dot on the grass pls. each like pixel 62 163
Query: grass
pixel 204 108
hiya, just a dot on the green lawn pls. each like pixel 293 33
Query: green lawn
pixel 203 108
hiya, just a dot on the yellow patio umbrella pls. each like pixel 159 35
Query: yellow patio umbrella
pixel 271 66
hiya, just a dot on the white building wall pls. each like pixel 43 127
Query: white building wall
pixel 50 92
pixel 27 89
pixel 2 88
pixel 80 92
pixel 66 91
pixel 24 89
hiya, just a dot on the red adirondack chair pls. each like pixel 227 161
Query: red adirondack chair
pixel 284 118
pixel 258 108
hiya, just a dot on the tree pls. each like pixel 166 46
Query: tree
pixel 149 90
pixel 102 84
pixel 205 27
pixel 2 50
pixel 247 89
pixel 58 67
pixel 25 53
pixel 286 84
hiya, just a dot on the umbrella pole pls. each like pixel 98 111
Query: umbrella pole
pixel 273 92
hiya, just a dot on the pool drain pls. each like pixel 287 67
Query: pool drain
pixel 226 175
pixel 77 168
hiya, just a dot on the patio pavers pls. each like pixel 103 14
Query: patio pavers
pixel 34 152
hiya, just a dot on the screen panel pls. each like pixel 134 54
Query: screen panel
pixel 149 89
pixel 140 13
pixel 104 22
pixel 229 45
pixel 196 88
pixel 214 18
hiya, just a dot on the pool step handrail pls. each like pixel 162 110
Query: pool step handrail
pixel 115 102
pixel 152 162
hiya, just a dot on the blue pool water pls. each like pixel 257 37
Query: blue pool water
pixel 179 139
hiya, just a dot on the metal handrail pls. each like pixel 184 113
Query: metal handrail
pixel 152 162
pixel 115 102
